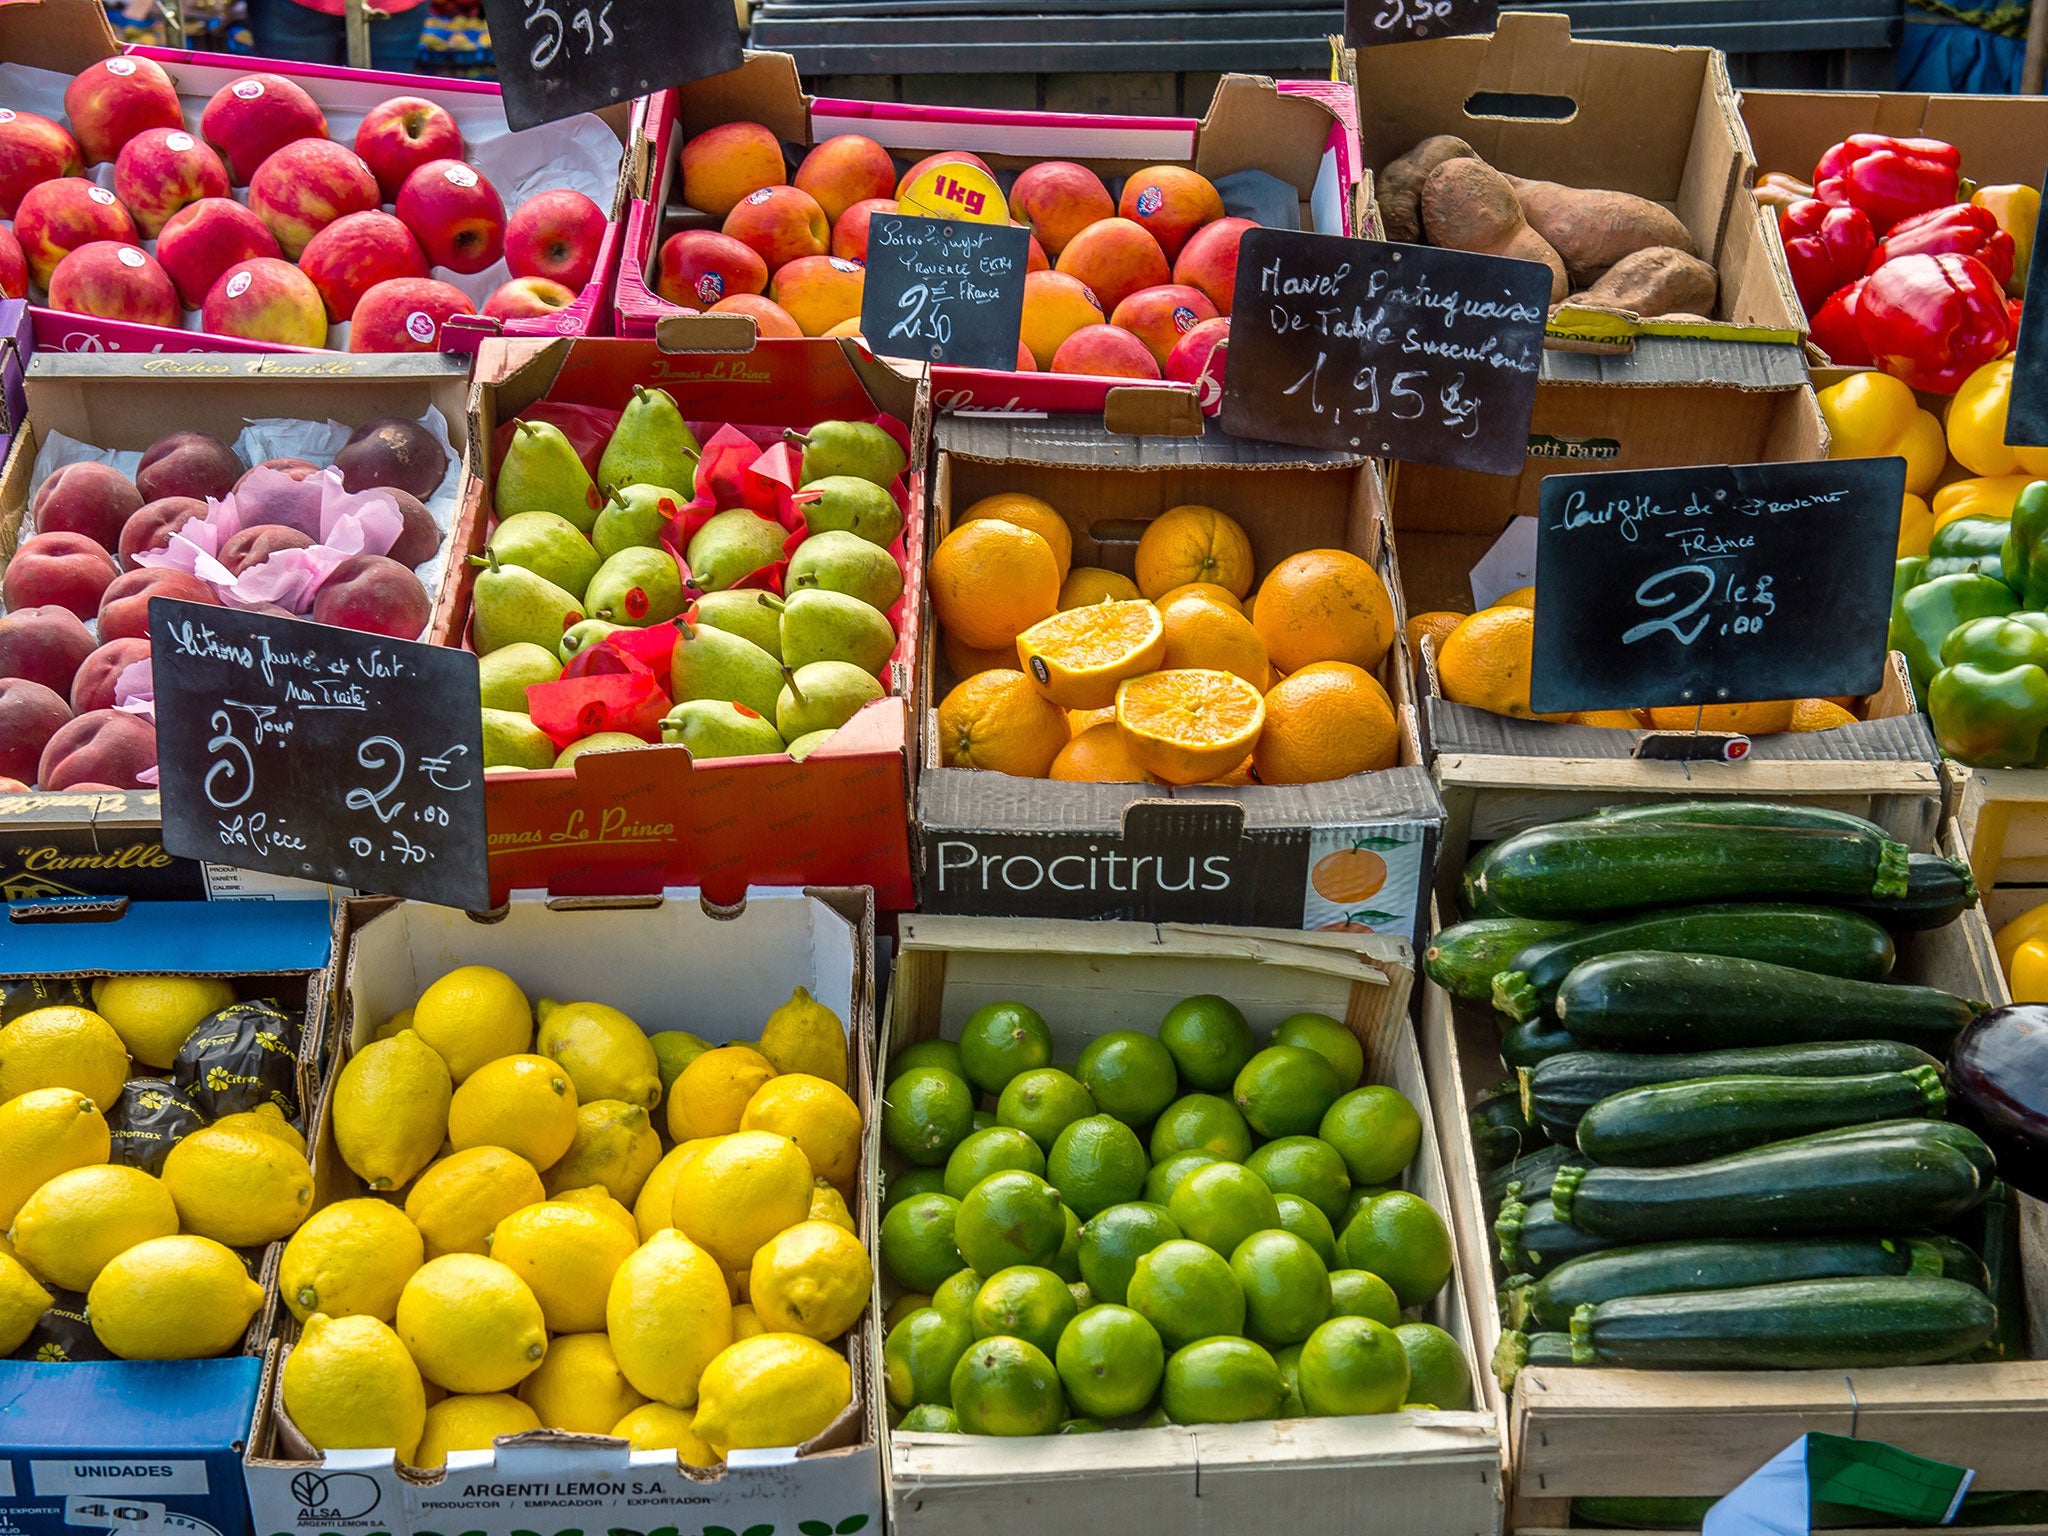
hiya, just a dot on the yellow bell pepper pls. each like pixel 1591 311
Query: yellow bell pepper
pixel 2029 925
pixel 1976 426
pixel 1916 526
pixel 2029 972
pixel 2018 211
pixel 1873 415
pixel 1986 496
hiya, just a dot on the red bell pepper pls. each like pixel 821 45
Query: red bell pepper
pixel 1956 228
pixel 1834 327
pixel 1825 246
pixel 1889 179
pixel 1933 320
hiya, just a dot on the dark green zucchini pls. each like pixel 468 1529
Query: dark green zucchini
pixel 1738 813
pixel 1997 1229
pixel 1685 1122
pixel 1959 1137
pixel 1824 940
pixel 1644 1001
pixel 1534 1172
pixel 1462 958
pixel 1517 1351
pixel 1938 891
pixel 1900 1174
pixel 1500 1131
pixel 1959 1260
pixel 1534 1239
pixel 1524 1045
pixel 1587 869
pixel 1558 1090
pixel 1801 1325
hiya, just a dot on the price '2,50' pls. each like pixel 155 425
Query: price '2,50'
pixel 914 299
pixel 1411 13
pixel 541 13
pixel 1693 587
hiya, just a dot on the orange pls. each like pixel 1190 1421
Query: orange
pixel 1437 626
pixel 1327 721
pixel 1819 715
pixel 1208 589
pixel 1191 543
pixel 1521 597
pixel 1000 721
pixel 1079 720
pixel 1097 756
pixel 1486 661
pixel 966 660
pixel 1610 719
pixel 1237 777
pixel 1091 584
pixel 1027 512
pixel 1078 657
pixel 1747 719
pixel 1324 605
pixel 1203 633
pixel 1187 726
pixel 992 580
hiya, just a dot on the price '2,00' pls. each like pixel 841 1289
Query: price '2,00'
pixel 539 13
pixel 1667 587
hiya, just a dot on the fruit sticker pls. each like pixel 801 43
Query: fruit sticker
pixel 711 286
pixel 1150 199
pixel 1364 880
pixel 953 189
pixel 239 283
pixel 419 325
pixel 127 67
pixel 247 90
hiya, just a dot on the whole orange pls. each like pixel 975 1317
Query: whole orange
pixel 992 580
pixel 1324 605
pixel 1327 721
pixel 998 720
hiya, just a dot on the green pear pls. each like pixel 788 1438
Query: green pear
pixel 746 612
pixel 732 546
pixel 510 670
pixel 830 626
pixel 513 741
pixel 602 741
pixel 547 544
pixel 719 728
pixel 849 504
pixel 651 445
pixel 822 697
pixel 839 561
pixel 803 746
pixel 583 635
pixel 636 587
pixel 542 473
pixel 511 603
pixel 711 663
pixel 849 448
pixel 635 515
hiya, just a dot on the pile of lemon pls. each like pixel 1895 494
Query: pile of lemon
pixel 532 1257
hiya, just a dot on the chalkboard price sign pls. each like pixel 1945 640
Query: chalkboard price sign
pixel 1402 351
pixel 1369 23
pixel 306 750
pixel 2026 420
pixel 1715 584
pixel 944 290
pixel 556 58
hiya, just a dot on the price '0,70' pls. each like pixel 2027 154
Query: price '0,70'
pixel 1694 587
pixel 540 13
pixel 1402 400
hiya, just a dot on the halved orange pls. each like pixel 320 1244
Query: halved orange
pixel 1077 658
pixel 1187 726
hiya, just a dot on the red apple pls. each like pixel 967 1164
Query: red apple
pixel 404 314
pixel 111 101
pixel 456 214
pixel 162 170
pixel 399 136
pixel 555 235
pixel 698 267
pixel 13 267
pixel 266 299
pixel 850 232
pixel 59 216
pixel 203 239
pixel 529 298
pixel 845 170
pixel 306 186
pixel 32 149
pixel 115 282
pixel 352 255
pixel 252 118
pixel 780 224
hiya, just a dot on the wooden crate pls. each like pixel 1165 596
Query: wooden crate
pixel 2003 813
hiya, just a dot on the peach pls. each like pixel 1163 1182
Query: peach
pixel 108 747
pixel 59 216
pixel 1034 256
pixel 194 464
pixel 846 170
pixel 152 527
pixel 771 320
pixel 420 538
pixel 32 149
pixel 296 469
pixel 404 314
pixel 1198 359
pixel 1209 260
pixel 847 327
pixel 698 267
pixel 115 282
pixel 124 606
pixel 253 546
pixel 13 267
pixel 722 165
pixel 30 714
pixel 65 569
pixel 162 170
pixel 1116 258
pixel 1056 304
pixel 528 298
pixel 45 644
pixel 819 291
pixel 456 214
pixel 779 224
pixel 943 157
pixel 203 239
pixel 1170 202
pixel 306 186
pixel 251 118
pixel 355 253
pixel 1026 363
pixel 280 499
pixel 266 299
pixel 1160 316
pixel 555 235
pixel 111 101
pixel 1057 199
pixel 86 497
pixel 1107 351
pixel 392 451
pixel 397 137
pixel 93 687
pixel 374 594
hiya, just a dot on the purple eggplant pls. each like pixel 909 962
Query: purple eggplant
pixel 1998 1071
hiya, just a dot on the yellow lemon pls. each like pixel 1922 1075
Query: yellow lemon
pixel 241 1188
pixel 813 1279
pixel 349 1384
pixel 827 1204
pixel 736 1194
pixel 615 1145
pixel 667 1315
pixel 459 1199
pixel 172 1298
pixel 22 1303
pixel 41 1134
pixel 658 1427
pixel 821 1119
pixel 567 1254
pixel 654 1209
pixel 471 1421
pixel 471 1323
pixel 746 1322
pixel 712 1093
pixel 391 1109
pixel 77 1223
pixel 62 1047
pixel 803 1035
pixel 268 1120
pixel 391 1026
pixel 350 1259
pixel 774 1389
pixel 579 1388
pixel 473 1015
pixel 525 1104
pixel 154 1014
pixel 595 1197
pixel 604 1052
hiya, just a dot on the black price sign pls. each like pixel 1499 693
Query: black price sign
pixel 2026 417
pixel 944 290
pixel 1716 584
pixel 556 58
pixel 325 753
pixel 1397 350
pixel 1369 23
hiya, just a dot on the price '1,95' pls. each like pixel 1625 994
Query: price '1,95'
pixel 594 26
pixel 1744 604
pixel 1404 397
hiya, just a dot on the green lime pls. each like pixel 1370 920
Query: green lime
pixel 675 1049
pixel 1376 1130
pixel 1330 1040
pixel 1132 1076
pixel 1308 1224
pixel 1113 1241
pixel 1001 1040
pixel 1009 1218
pixel 1437 1372
pixel 1355 1202
pixel 913 1181
pixel 1286 1287
pixel 1222 1381
pixel 1160 1182
pixel 1067 1262
pixel 1082 1427
pixel 1004 1386
pixel 1043 1102
pixel 1095 1163
pixel 1361 1293
pixel 1201 1122
pixel 1284 1091
pixel 984 1120
pixel 1187 1292
pixel 956 1293
pixel 987 1152
pixel 1222 1204
pixel 905 1304
pixel 1026 1303
pixel 918 1359
pixel 1209 1040
pixel 1153 1418
pixel 926 1113
pixel 1301 1165
pixel 1400 1239
pixel 943 1054
pixel 931 1419
pixel 1110 1361
pixel 1289 1361
pixel 1353 1365
pixel 1083 1297
pixel 917 1241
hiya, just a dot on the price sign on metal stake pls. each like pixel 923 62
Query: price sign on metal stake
pixel 944 290
pixel 556 58
pixel 1369 23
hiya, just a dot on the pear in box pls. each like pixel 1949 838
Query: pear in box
pixel 652 444
pixel 839 561
pixel 513 741
pixel 750 614
pixel 601 741
pixel 547 544
pixel 506 674
pixel 542 473
pixel 731 546
pixel 710 663
pixel 849 504
pixel 636 587
pixel 849 448
pixel 511 604
pixel 719 728
pixel 830 626
pixel 581 636
pixel 635 515
pixel 822 697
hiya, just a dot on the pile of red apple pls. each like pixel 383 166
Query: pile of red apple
pixel 312 244
pixel 1136 286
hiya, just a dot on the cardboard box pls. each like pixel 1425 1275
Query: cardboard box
pixel 1627 117
pixel 2003 138
pixel 152 1445
pixel 53 39
pixel 17 344
pixel 1399 1474
pixel 991 845
pixel 741 965
pixel 1286 131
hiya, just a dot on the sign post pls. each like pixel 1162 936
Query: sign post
pixel 556 58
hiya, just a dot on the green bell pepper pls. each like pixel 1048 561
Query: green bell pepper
pixel 1988 716
pixel 2020 640
pixel 1923 616
pixel 1968 544
pixel 2024 553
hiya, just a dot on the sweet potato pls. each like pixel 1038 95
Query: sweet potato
pixel 1593 229
pixel 1400 184
pixel 1653 282
pixel 1468 206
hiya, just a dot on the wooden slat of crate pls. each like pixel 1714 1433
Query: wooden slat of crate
pixel 2004 812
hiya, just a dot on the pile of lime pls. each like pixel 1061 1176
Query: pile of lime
pixel 1190 1228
